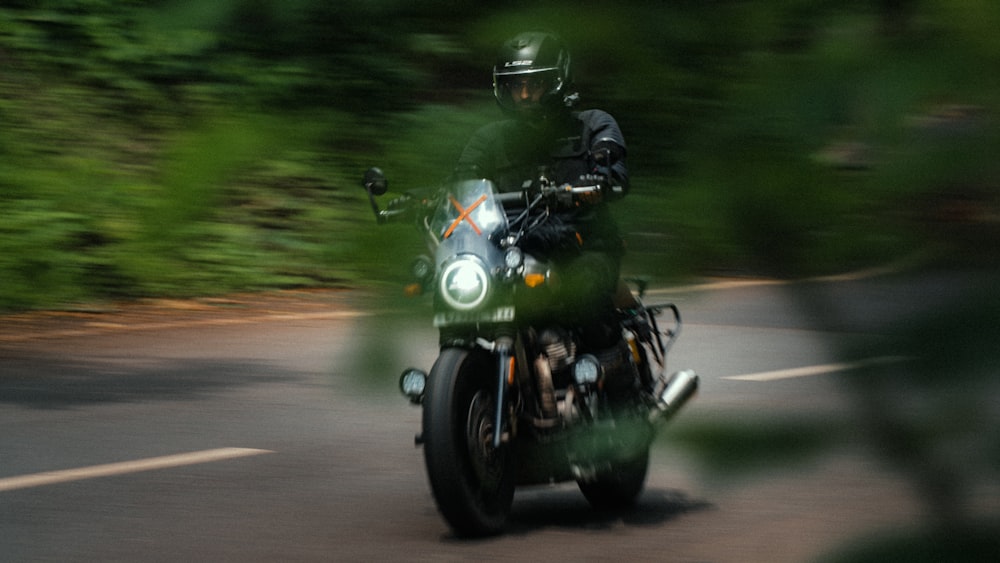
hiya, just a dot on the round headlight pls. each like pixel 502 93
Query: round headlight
pixel 464 284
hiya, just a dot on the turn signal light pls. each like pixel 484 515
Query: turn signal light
pixel 534 280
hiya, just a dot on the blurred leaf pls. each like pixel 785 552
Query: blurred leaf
pixel 977 545
pixel 731 447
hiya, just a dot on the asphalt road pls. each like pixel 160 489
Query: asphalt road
pixel 271 430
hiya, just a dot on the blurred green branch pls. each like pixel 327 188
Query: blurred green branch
pixel 787 138
pixel 182 147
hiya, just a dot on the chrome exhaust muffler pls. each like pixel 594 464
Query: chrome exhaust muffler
pixel 672 393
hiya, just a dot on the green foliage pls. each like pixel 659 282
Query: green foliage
pixel 184 147
pixel 729 448
pixel 977 545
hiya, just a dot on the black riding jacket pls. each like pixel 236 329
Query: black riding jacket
pixel 512 153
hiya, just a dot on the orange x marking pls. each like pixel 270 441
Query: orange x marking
pixel 463 215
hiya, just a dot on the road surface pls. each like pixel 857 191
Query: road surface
pixel 268 428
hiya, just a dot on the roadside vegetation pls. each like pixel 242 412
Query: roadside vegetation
pixel 185 148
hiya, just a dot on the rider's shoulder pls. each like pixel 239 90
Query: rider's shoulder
pixel 594 115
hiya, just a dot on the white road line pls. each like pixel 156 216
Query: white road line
pixel 110 469
pixel 715 286
pixel 721 285
pixel 812 370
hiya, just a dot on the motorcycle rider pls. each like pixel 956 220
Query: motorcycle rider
pixel 542 131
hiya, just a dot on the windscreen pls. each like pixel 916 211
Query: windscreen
pixel 469 207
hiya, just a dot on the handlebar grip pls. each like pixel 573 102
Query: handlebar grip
pixel 511 197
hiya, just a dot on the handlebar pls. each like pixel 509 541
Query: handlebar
pixel 596 189
pixel 566 195
pixel 507 198
pixel 580 189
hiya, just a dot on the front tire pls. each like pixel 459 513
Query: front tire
pixel 472 482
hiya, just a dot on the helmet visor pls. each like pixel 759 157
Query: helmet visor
pixel 525 88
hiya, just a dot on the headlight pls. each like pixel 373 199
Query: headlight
pixel 464 284
pixel 513 258
pixel 412 383
pixel 422 269
pixel 586 370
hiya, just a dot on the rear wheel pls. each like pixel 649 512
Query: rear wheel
pixel 472 482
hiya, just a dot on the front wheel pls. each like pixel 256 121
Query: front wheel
pixel 472 482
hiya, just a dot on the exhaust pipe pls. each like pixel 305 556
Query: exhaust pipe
pixel 672 394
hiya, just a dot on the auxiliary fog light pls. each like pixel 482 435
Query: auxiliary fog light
pixel 513 258
pixel 412 384
pixel 586 370
pixel 422 269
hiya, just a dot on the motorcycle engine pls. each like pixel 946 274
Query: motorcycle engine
pixel 560 350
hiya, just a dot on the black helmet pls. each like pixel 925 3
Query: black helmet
pixel 532 75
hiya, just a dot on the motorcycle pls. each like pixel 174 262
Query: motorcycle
pixel 516 396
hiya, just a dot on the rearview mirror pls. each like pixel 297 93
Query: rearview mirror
pixel 375 182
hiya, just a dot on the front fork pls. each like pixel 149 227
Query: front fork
pixel 503 347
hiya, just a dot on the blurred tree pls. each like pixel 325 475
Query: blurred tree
pixel 189 147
